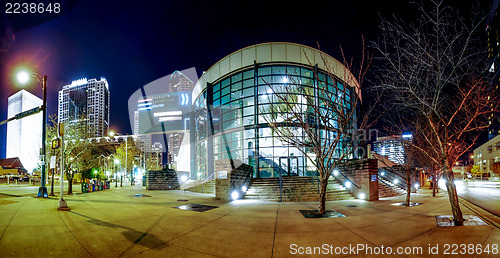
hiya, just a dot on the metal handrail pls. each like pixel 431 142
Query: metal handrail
pixel 313 177
pixel 383 181
pixel 206 179
pixel 391 175
pixel 349 180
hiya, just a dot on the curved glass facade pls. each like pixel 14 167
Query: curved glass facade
pixel 230 122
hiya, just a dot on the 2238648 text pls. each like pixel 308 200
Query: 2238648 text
pixel 32 8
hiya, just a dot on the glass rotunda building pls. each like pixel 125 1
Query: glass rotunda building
pixel 231 101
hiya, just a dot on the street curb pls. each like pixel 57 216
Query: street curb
pixel 483 214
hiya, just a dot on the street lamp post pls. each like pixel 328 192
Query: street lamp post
pixel 42 191
pixel 112 134
pixel 23 77
pixel 62 202
pixel 117 161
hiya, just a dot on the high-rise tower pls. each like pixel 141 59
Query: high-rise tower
pixel 178 83
pixel 493 34
pixel 86 101
pixel 24 136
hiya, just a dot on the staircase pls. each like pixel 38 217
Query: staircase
pixel 388 189
pixel 295 189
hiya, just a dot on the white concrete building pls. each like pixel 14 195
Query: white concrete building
pixel 24 136
pixel 487 156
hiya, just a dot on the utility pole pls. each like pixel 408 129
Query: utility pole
pixel 62 203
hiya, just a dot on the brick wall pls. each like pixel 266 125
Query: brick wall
pixel 162 180
pixel 363 173
pixel 231 177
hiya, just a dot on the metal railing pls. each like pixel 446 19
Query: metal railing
pixel 346 178
pixel 206 179
pixel 390 176
pixel 383 181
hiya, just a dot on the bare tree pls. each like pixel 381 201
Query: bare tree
pixel 406 165
pixel 126 153
pixel 77 148
pixel 318 117
pixel 431 74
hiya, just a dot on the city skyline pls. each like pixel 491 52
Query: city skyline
pixel 134 45
pixel 168 128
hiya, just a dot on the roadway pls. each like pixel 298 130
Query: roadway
pixel 483 194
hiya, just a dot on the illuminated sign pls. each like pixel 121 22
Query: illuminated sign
pixel 168 112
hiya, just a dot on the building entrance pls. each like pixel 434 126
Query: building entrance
pixel 289 166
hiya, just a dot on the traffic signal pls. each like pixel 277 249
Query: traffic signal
pixel 56 143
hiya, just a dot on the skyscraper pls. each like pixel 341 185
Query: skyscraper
pixel 86 101
pixel 178 83
pixel 391 147
pixel 24 136
pixel 493 33
pixel 143 140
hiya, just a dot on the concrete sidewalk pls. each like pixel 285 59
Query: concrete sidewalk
pixel 114 223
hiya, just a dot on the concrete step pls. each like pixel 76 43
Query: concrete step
pixel 257 196
pixel 271 190
pixel 301 198
pixel 388 190
pixel 294 189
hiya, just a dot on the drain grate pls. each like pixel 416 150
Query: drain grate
pixel 469 220
pixel 404 204
pixel 351 206
pixel 195 207
pixel 182 200
pixel 141 195
pixel 310 214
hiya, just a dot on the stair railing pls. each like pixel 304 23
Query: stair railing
pixel 206 179
pixel 384 181
pixel 281 186
pixel 347 179
pixel 314 178
pixel 390 176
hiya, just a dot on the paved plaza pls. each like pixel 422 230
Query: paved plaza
pixel 133 222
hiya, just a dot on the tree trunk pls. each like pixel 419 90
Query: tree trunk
pixel 322 196
pixel 70 176
pixel 408 192
pixel 434 184
pixel 452 195
pixel 433 188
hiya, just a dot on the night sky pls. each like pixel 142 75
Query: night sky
pixel 132 43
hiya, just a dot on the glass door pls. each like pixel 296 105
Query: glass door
pixel 289 166
pixel 293 166
pixel 283 168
